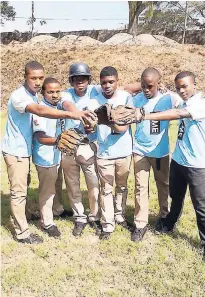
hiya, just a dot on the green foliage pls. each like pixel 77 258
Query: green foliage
pixel 7 12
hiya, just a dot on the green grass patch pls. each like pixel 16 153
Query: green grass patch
pixel 168 265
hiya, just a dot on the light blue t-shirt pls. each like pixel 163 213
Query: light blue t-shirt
pixel 46 155
pixel 81 103
pixel 112 145
pixel 151 137
pixel 190 146
pixel 17 140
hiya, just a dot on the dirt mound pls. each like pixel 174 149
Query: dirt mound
pixel 120 38
pixel 165 40
pixel 68 39
pixel 142 39
pixel 78 40
pixel 130 61
pixel 42 38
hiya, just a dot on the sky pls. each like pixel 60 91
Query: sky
pixel 109 15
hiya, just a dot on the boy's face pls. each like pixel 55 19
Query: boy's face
pixel 185 87
pixel 34 80
pixel 109 85
pixel 149 85
pixel 80 83
pixel 52 93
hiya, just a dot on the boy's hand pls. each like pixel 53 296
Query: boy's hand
pixel 86 116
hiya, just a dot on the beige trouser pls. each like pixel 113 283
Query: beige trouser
pixel 71 167
pixel 47 178
pixel 57 201
pixel 110 170
pixel 18 169
pixel 142 166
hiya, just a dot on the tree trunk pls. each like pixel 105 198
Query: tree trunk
pixel 185 22
pixel 135 9
pixel 32 19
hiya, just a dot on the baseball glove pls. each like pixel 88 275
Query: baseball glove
pixel 124 115
pixel 69 140
pixel 103 114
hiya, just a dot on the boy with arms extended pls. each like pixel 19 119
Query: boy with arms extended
pixel 17 143
pixel 46 156
pixel 150 149
pixel 188 160
pixel 79 95
pixel 113 154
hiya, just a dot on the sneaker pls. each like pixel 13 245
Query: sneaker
pixel 160 226
pixel 64 214
pixel 78 228
pixel 125 225
pixel 96 226
pixel 138 234
pixel 52 231
pixel 105 235
pixel 31 239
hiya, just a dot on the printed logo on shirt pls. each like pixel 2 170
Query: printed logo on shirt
pixel 154 127
pixel 181 130
pixel 36 123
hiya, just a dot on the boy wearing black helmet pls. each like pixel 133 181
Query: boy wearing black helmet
pixel 79 94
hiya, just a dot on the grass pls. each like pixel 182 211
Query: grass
pixel 168 265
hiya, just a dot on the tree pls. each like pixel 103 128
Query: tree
pixel 32 20
pixel 135 9
pixel 7 12
pixel 185 22
pixel 174 16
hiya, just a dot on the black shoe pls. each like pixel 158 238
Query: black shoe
pixel 138 234
pixel 203 258
pixel 160 226
pixel 31 239
pixel 78 228
pixel 53 231
pixel 33 216
pixel 125 225
pixel 64 214
pixel 105 235
pixel 96 226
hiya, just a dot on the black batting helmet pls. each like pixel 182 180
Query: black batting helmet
pixel 77 69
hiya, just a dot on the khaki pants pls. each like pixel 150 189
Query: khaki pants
pixel 71 167
pixel 142 166
pixel 57 201
pixel 18 169
pixel 47 178
pixel 110 170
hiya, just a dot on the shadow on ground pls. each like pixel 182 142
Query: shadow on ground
pixel 32 203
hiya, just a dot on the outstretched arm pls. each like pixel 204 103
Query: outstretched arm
pixel 171 114
pixel 51 113
pixel 45 139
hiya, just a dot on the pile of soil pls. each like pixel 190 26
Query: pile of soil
pixel 130 61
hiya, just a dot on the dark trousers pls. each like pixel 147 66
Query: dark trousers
pixel 180 178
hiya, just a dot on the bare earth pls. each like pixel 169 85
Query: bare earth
pixel 57 55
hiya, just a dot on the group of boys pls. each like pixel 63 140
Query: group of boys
pixel 33 128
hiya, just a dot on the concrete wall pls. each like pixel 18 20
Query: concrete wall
pixel 194 36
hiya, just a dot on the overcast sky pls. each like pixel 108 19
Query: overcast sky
pixel 109 15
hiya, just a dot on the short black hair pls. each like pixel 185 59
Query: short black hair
pixel 151 70
pixel 49 80
pixel 185 74
pixel 108 71
pixel 33 65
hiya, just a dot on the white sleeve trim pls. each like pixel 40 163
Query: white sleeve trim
pixel 21 101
